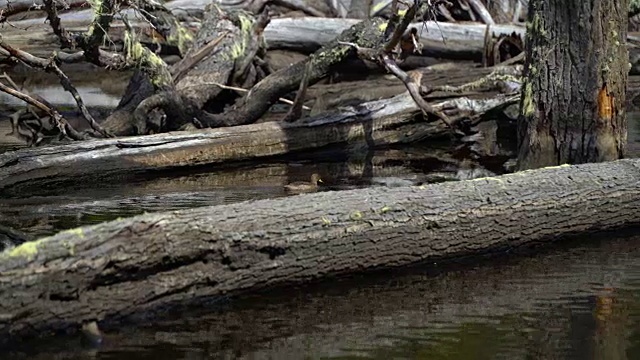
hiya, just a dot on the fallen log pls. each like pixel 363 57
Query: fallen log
pixel 369 125
pixel 130 268
pixel 357 313
pixel 306 34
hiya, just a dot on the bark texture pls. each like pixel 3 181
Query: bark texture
pixel 138 265
pixel 369 125
pixel 573 100
pixel 357 313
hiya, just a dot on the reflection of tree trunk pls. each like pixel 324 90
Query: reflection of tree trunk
pixel 610 333
pixel 574 95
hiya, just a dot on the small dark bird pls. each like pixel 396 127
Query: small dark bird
pixel 302 186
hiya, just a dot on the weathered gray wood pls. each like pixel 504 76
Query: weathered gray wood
pixel 304 33
pixel 373 124
pixel 452 40
pixel 137 265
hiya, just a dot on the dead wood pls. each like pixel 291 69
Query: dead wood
pixel 234 35
pixel 133 267
pixel 370 125
pixel 266 92
pixel 307 34
pixel 58 124
pixel 445 40
pixel 475 292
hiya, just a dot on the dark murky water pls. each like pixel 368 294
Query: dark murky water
pixel 578 301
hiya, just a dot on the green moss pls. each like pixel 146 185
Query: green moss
pixel 96 5
pixel 142 57
pixel 183 38
pixel 245 23
pixel 356 215
pixel 27 250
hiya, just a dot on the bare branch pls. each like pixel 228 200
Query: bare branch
pixel 61 123
pixel 66 42
pixel 51 66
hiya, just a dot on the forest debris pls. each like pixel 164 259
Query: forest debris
pixel 51 66
pixel 370 125
pixel 60 123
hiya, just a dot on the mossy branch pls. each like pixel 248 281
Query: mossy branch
pixel 145 59
pixel 91 41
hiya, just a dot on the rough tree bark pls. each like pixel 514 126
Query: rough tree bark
pixel 134 266
pixel 573 99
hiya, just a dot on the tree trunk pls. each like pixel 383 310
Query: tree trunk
pixel 573 100
pixel 135 266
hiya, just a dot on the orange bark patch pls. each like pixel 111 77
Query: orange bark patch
pixel 605 103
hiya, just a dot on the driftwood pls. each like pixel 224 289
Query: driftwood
pixel 132 267
pixel 369 125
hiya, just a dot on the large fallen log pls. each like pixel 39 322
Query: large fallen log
pixel 449 40
pixel 369 125
pixel 133 267
pixel 355 314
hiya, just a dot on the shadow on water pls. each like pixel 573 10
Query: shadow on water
pixel 572 301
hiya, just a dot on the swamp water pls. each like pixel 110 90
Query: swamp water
pixel 579 300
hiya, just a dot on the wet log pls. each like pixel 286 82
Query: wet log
pixel 369 125
pixel 128 269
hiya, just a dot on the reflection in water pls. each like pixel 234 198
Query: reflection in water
pixel 573 302
pixel 42 211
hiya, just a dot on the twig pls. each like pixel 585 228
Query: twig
pixel 399 30
pixel 227 87
pixel 51 66
pixel 90 42
pixel 482 11
pixel 104 59
pixel 63 126
pixel 295 112
pixel 412 83
pixel 54 20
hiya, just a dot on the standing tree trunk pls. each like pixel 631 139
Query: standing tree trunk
pixel 572 108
